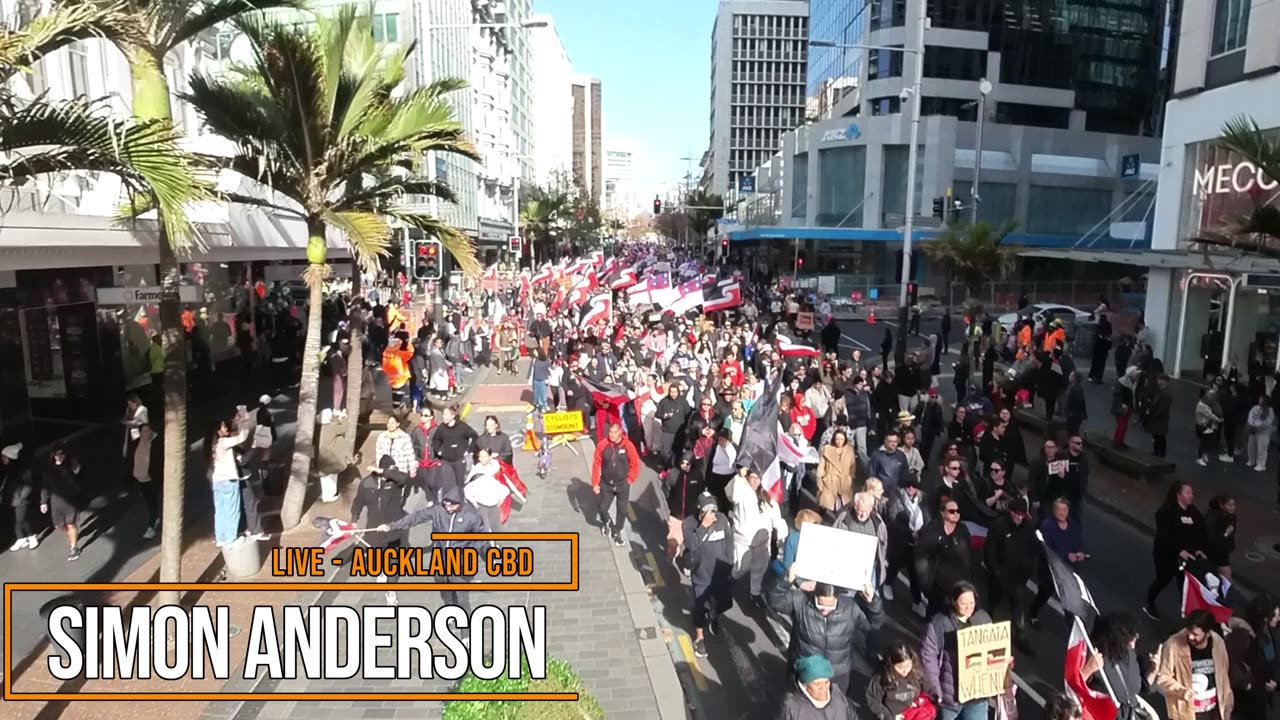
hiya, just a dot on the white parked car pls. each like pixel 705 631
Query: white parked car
pixel 1045 311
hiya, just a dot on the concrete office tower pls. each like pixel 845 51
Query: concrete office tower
pixel 552 103
pixel 759 50
pixel 619 180
pixel 588 131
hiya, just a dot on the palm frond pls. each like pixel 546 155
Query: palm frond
pixel 457 243
pixel 50 138
pixel 211 13
pixel 1258 232
pixel 65 23
pixel 1245 137
pixel 391 190
pixel 368 235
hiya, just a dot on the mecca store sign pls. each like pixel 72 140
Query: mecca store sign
pixel 1219 184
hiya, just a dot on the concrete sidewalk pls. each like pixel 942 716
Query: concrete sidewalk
pixel 606 631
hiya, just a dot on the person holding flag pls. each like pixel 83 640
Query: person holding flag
pixel 1180 538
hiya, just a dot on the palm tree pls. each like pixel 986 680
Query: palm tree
pixel 1259 231
pixel 147 31
pixel 321 118
pixel 705 208
pixel 974 254
pixel 143 152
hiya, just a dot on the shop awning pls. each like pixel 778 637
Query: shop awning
pixel 919 234
pixel 1166 259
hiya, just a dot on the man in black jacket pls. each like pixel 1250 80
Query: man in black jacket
pixel 382 494
pixel 671 414
pixel 451 515
pixel 451 443
pixel 1012 555
pixel 708 553
pixel 822 623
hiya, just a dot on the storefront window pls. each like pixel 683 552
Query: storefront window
pixel 224 292
pixel 1219 185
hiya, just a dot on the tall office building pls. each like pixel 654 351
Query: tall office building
pixel 444 50
pixel 1089 65
pixel 588 135
pixel 619 180
pixel 759 49
pixel 520 42
pixel 552 115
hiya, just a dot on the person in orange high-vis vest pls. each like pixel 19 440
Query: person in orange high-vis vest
pixel 1055 337
pixel 1024 338
pixel 395 365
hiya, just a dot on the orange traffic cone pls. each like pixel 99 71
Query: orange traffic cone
pixel 530 440
pixel 871 316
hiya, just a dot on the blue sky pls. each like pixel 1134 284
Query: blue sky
pixel 653 58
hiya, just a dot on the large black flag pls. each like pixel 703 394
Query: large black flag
pixel 1069 588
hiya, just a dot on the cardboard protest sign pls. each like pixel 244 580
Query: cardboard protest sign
pixel 982 656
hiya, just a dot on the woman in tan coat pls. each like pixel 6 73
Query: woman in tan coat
pixel 835 473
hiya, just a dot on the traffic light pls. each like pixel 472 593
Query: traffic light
pixel 913 293
pixel 516 245
pixel 939 208
pixel 724 244
pixel 657 206
pixel 800 260
pixel 426 260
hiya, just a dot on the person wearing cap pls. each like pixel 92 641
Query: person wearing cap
pixel 1012 555
pixel 823 622
pixel 905 516
pixel 817 695
pixel 379 500
pixel 708 553
pixel 17 490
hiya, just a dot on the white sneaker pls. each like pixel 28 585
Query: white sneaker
pixel 1226 458
pixel 1202 462
pixel 887 592
pixel 260 537
pixel 33 541
pixel 1259 468
pixel 149 533
pixel 392 600
pixel 18 544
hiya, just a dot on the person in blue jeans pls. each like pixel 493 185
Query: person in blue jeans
pixel 224 476
pixel 540 372
pixel 940 669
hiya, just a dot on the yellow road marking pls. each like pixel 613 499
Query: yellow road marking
pixel 686 648
pixel 631 514
pixel 657 571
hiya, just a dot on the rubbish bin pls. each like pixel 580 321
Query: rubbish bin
pixel 76 634
pixel 243 559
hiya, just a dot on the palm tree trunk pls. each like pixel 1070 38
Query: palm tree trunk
pixel 295 494
pixel 173 339
pixel 355 364
pixel 151 102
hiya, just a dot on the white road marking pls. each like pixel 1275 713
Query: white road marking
pixel 856 344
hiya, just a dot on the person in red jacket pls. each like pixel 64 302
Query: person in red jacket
pixel 802 415
pixel 615 467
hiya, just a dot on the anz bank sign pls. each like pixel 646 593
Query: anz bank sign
pixel 841 134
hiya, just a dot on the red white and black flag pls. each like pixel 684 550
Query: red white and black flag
pixel 598 311
pixel 795 347
pixel 1070 590
pixel 1195 596
pixel 722 295
pixel 605 393
pixel 1094 705
pixel 626 278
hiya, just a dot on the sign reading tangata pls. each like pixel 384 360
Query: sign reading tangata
pixel 983 658
pixel 563 423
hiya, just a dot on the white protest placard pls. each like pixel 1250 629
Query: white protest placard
pixel 842 558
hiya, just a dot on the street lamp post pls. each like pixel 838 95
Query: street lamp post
pixel 917 49
pixel 984 88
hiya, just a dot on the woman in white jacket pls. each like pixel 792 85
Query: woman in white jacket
pixel 484 490
pixel 755 518
pixel 1262 422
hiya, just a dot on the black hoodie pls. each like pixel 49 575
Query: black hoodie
pixel 466 519
pixel 382 496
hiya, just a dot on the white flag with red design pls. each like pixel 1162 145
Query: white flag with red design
pixel 1195 596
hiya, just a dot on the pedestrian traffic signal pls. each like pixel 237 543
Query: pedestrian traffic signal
pixel 517 244
pixel 800 260
pixel 724 244
pixel 426 260
pixel 939 208
pixel 657 206
pixel 913 293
